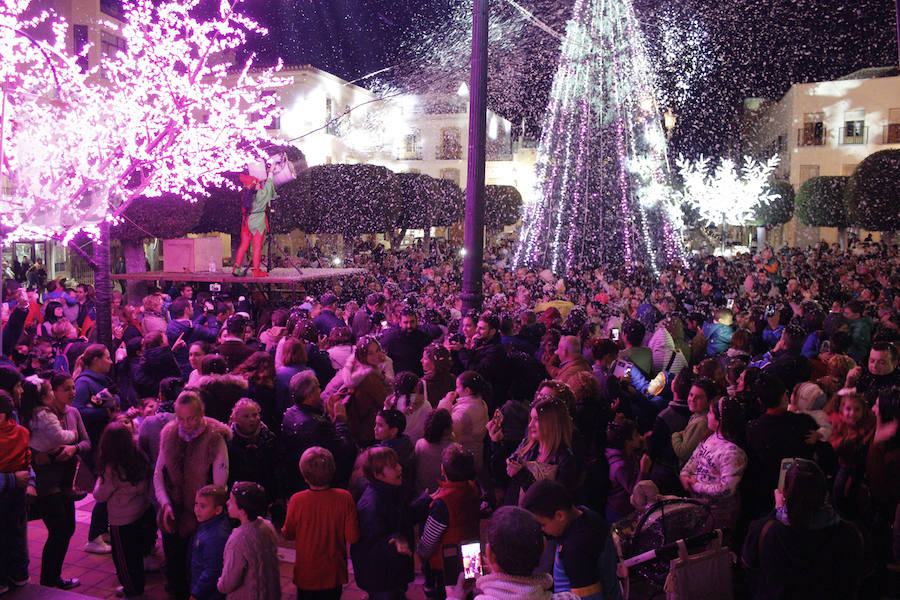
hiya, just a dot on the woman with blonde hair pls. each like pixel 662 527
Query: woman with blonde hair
pixel 546 451
pixel 153 318
pixel 252 449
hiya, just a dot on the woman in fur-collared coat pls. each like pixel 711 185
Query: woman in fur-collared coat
pixel 192 454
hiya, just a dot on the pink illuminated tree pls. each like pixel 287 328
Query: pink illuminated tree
pixel 166 115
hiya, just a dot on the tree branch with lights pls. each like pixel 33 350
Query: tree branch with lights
pixel 166 115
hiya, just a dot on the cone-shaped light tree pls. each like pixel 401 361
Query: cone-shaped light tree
pixel 602 176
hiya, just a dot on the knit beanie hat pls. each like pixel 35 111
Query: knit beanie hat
pixel 644 494
pixel 809 396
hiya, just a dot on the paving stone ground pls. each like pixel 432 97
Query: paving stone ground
pixel 98 574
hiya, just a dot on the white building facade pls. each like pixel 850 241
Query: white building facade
pixel 824 128
pixel 334 121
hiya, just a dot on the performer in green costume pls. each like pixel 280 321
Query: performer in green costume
pixel 254 223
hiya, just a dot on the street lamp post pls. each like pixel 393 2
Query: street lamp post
pixel 897 16
pixel 670 119
pixel 473 244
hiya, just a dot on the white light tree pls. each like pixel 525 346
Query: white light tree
pixel 726 195
pixel 166 115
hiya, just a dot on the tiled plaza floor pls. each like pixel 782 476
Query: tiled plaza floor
pixel 98 574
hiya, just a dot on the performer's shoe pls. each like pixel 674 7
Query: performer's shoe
pixel 260 273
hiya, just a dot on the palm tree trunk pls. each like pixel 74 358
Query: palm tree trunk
pixel 135 262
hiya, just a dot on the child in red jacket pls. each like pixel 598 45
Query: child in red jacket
pixel 453 516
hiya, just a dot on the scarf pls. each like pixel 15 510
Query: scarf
pixel 187 436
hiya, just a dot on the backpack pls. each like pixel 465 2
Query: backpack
pixel 60 361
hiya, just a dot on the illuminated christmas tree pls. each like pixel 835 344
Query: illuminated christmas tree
pixel 602 196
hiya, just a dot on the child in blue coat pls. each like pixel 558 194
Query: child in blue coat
pixel 208 545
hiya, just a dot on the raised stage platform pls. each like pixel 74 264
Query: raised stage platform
pixel 283 275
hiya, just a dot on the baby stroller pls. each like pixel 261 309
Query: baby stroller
pixel 647 541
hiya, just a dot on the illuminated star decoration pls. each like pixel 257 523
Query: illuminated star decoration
pixel 167 114
pixel 602 196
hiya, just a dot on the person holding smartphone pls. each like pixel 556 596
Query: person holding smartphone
pixel 514 547
pixel 803 549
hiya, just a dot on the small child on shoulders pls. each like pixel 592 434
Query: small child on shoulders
pixel 208 545
pixel 808 398
pixel 250 567
pixel 322 520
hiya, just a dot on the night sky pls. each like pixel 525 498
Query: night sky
pixel 748 48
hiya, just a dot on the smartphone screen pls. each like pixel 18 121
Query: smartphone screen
pixel 471 556
pixel 786 464
pixel 730 303
pixel 614 334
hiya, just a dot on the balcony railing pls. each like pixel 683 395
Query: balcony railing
pixel 891 134
pixel 414 154
pixel 449 151
pixel 854 136
pixel 812 136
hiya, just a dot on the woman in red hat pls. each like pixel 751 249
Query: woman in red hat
pixel 254 224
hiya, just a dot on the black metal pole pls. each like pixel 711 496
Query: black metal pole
pixel 897 17
pixel 474 234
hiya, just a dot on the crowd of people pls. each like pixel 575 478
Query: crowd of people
pixel 378 423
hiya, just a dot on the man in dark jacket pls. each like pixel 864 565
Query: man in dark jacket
pixel 674 417
pixel 405 344
pixel 786 360
pixel 327 319
pixel 305 425
pixel 488 357
pixel 776 435
pixel 156 363
pixel 605 353
pixel 189 329
pixel 362 320
pixel 86 308
pixel 233 347
pixel 317 360
pixel 16 323
pixel 880 373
